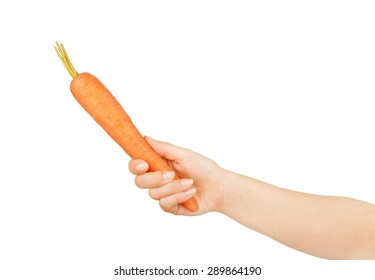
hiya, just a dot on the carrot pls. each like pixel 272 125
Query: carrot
pixel 103 107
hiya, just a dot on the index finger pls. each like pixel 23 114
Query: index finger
pixel 138 166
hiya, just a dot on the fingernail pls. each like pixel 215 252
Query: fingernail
pixel 168 175
pixel 186 182
pixel 190 191
pixel 142 166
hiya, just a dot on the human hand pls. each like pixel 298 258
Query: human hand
pixel 201 178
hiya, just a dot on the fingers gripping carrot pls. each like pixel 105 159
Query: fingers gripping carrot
pixel 103 107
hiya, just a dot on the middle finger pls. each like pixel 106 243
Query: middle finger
pixel 170 188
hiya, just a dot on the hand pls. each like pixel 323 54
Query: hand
pixel 201 178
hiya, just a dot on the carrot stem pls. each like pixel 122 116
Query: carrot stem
pixel 63 55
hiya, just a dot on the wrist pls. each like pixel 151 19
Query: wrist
pixel 225 190
pixel 236 191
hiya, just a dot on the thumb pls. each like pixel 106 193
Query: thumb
pixel 167 150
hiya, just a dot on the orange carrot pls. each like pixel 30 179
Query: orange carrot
pixel 98 101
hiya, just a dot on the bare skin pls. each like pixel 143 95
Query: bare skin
pixel 324 226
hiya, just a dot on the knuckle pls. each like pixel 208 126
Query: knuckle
pixel 152 194
pixel 165 207
pixel 138 181
pixel 148 180
pixel 131 167
pixel 169 205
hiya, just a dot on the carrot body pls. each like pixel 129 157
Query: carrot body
pixel 103 107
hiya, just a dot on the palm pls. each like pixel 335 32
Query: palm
pixel 206 175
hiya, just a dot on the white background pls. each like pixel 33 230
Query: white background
pixel 278 90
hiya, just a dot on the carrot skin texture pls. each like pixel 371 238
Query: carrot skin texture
pixel 103 107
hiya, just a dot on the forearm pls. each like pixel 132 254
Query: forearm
pixel 324 226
